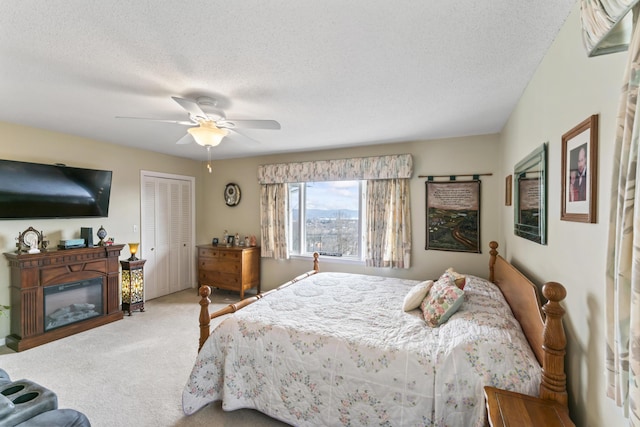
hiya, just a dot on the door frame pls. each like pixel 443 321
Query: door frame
pixel 192 179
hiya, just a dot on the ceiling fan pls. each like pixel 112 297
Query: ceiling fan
pixel 210 126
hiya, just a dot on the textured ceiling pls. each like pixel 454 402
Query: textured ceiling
pixel 333 73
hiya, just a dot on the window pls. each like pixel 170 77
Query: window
pixel 327 217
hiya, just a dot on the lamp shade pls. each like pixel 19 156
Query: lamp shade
pixel 133 249
pixel 207 134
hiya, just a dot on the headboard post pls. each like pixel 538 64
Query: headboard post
pixel 493 255
pixel 205 318
pixel 315 261
pixel 554 380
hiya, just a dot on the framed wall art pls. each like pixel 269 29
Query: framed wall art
pixel 580 172
pixel 508 190
pixel 530 196
pixel 453 216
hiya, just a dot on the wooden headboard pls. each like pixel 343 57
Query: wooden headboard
pixel 542 327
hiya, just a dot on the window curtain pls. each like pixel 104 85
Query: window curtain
pixel 622 304
pixel 273 221
pixel 388 209
pixel 606 25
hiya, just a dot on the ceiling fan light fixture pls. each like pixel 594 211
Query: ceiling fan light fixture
pixel 207 135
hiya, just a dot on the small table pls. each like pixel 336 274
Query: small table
pixel 509 409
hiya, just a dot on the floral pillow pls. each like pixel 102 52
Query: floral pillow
pixel 416 294
pixel 443 299
pixel 459 279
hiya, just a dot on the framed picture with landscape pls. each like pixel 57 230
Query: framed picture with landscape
pixel 453 216
pixel 530 196
pixel 580 172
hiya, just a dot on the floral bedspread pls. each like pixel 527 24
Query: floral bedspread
pixel 337 349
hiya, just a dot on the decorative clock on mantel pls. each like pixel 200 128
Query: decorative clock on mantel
pixel 29 241
pixel 232 194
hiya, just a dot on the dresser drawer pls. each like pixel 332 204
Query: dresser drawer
pixel 208 252
pixel 230 255
pixel 228 281
pixel 215 264
pixel 205 277
pixel 217 278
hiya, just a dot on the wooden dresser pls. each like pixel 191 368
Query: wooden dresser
pixel 235 268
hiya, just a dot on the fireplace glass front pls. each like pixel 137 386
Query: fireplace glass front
pixel 72 302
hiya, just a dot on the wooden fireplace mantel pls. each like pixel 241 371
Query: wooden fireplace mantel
pixel 31 273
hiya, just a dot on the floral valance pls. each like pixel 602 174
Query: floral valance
pixel 606 25
pixel 379 167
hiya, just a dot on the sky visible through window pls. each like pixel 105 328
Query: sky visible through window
pixel 331 195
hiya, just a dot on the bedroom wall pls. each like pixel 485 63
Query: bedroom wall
pixel 476 154
pixel 567 88
pixel 38 146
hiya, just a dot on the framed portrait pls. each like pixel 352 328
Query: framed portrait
pixel 580 172
pixel 530 195
pixel 453 216
pixel 508 190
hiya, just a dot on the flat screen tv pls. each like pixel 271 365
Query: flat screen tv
pixel 35 190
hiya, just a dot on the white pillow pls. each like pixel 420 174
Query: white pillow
pixel 416 294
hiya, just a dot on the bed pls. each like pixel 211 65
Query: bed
pixel 337 349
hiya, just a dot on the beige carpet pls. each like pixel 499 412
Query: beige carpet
pixel 130 372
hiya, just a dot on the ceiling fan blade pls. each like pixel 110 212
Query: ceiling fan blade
pixel 248 124
pixel 191 106
pixel 177 122
pixel 186 139
pixel 241 137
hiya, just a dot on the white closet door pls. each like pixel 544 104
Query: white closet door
pixel 162 247
pixel 186 251
pixel 148 238
pixel 167 234
pixel 181 246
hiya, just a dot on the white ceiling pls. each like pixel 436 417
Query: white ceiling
pixel 334 73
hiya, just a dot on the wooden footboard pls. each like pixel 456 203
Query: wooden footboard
pixel 205 291
pixel 543 328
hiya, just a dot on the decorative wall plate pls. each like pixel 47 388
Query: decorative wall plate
pixel 29 240
pixel 232 194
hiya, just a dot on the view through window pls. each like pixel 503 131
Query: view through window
pixel 326 217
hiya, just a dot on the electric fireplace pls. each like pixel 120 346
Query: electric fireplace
pixel 72 302
pixel 57 293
